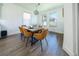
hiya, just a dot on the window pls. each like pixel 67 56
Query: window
pixel 34 20
pixel 53 19
pixel 26 19
pixel 44 20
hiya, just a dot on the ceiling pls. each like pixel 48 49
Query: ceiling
pixel 42 6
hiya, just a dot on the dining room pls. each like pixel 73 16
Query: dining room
pixel 33 29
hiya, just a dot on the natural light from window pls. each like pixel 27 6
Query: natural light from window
pixel 26 19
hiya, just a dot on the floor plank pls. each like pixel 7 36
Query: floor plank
pixel 14 46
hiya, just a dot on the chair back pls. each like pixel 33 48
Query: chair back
pixel 21 29
pixel 40 36
pixel 27 33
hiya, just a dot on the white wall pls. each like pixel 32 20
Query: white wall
pixel 69 29
pixel 77 23
pixel 75 28
pixel 0 17
pixel 60 22
pixel 12 17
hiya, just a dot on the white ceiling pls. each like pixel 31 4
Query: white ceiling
pixel 42 7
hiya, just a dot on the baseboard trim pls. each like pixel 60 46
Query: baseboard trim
pixel 13 33
pixel 68 51
pixel 56 32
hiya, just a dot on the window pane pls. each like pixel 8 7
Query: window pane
pixel 53 17
pixel 27 16
pixel 44 19
pixel 26 19
pixel 45 23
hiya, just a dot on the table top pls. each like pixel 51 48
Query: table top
pixel 33 29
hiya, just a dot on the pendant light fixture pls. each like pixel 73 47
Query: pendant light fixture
pixel 36 12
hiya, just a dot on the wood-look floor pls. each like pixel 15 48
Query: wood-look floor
pixel 14 46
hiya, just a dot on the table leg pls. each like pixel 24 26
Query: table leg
pixel 32 41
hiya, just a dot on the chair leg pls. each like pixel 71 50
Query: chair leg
pixel 32 39
pixel 24 38
pixel 27 41
pixel 21 36
pixel 41 45
pixel 46 41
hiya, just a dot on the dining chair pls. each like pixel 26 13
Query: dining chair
pixel 21 31
pixel 40 36
pixel 27 34
pixel 46 33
